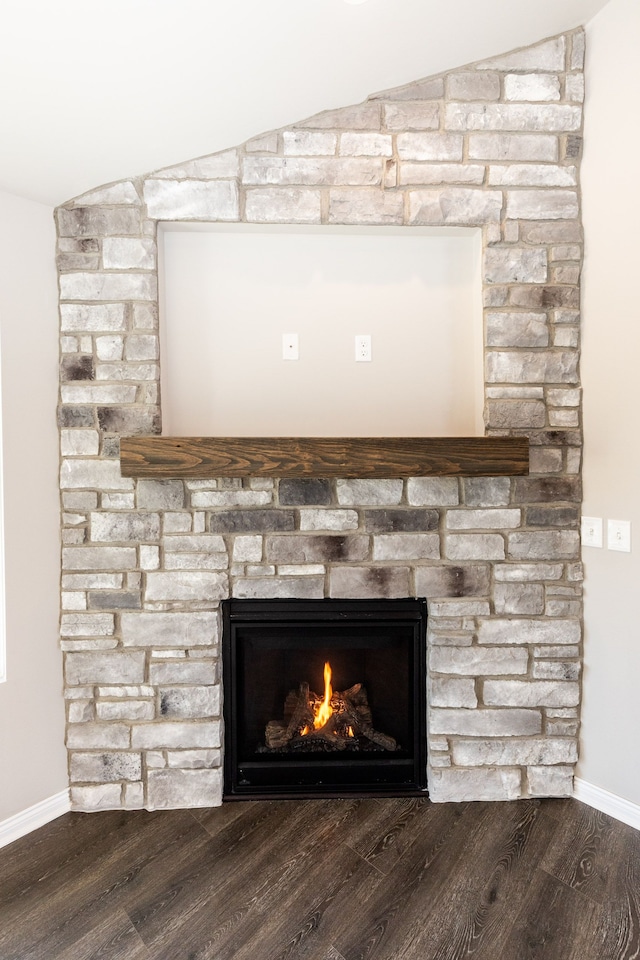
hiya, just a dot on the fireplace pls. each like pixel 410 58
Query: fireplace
pixel 363 660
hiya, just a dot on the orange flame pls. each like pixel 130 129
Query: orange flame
pixel 325 710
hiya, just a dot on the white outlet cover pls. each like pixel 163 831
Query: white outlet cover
pixel 363 347
pixel 619 535
pixel 591 531
pixel 290 346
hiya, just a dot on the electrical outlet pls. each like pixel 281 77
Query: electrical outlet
pixel 591 531
pixel 290 349
pixel 363 347
pixel 619 535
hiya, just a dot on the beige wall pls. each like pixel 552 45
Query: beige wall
pixel 32 757
pixel 610 368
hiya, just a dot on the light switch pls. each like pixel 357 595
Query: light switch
pixel 591 531
pixel 619 535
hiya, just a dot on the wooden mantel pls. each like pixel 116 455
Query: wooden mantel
pixel 365 457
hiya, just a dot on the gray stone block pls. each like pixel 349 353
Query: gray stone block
pixel 72 416
pixel 544 545
pixel 277 588
pixel 457 206
pixel 411 115
pixel 429 146
pixel 547 489
pixel 354 144
pixel 365 582
pixel 107 796
pixel 544 117
pixel 318 548
pixel 511 752
pixel 166 734
pixel 472 85
pixel 114 600
pixel 516 414
pixel 523 366
pixel 486 491
pixel 553 516
pixel 418 174
pixel 193 759
pixel 283 205
pixel 305 492
pixel 99 558
pixel 531 693
pixel 192 199
pixel 519 598
pixel 432 491
pixel 307 143
pixel 531 86
pixel 130 421
pixel 76 367
pixel 176 789
pixel 406 546
pixel 98 736
pixel 183 671
pixel 159 629
pixel 516 631
pixel 475 546
pixel 109 527
pixel 515 265
pixel 536 297
pixel 452 581
pixel 125 710
pixel 86 625
pixel 323 519
pixel 478 661
pixel 482 519
pixel 192 585
pixel 556 670
pixel 401 520
pixel 499 146
pixel 160 494
pixel 369 492
pixel 455 785
pixel 542 204
pixel 192 702
pixel 105 767
pixel 104 667
pixel 532 175
pixel 108 286
pixel 485 723
pixel 365 206
pixel 452 692
pixel 93 221
pixel 556 781
pixel 511 329
pixel 311 171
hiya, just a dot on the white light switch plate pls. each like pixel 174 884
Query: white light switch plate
pixel 619 535
pixel 591 531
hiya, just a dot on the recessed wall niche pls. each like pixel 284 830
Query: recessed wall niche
pixel 230 291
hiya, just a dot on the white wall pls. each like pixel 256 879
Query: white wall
pixel 610 373
pixel 235 289
pixel 33 763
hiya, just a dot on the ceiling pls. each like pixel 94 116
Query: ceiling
pixel 94 92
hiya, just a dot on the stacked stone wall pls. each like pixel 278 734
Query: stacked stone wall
pixel 495 145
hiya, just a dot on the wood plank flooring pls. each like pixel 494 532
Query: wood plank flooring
pixel 358 879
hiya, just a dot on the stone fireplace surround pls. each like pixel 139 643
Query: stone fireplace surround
pixel 495 145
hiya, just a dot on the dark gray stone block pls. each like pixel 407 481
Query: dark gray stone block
pixel 69 416
pixel 251 521
pixel 305 493
pixel 400 521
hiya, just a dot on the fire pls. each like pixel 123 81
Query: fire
pixel 324 710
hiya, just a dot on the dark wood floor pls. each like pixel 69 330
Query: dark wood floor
pixel 326 880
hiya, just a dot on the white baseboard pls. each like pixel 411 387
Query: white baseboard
pixel 606 802
pixel 33 817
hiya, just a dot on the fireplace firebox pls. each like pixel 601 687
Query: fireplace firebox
pixel 324 698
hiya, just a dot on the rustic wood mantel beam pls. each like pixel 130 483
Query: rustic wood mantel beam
pixel 375 457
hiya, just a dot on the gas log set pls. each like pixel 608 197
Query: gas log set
pixel 338 720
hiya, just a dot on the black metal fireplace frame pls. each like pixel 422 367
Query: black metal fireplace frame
pixel 375 777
